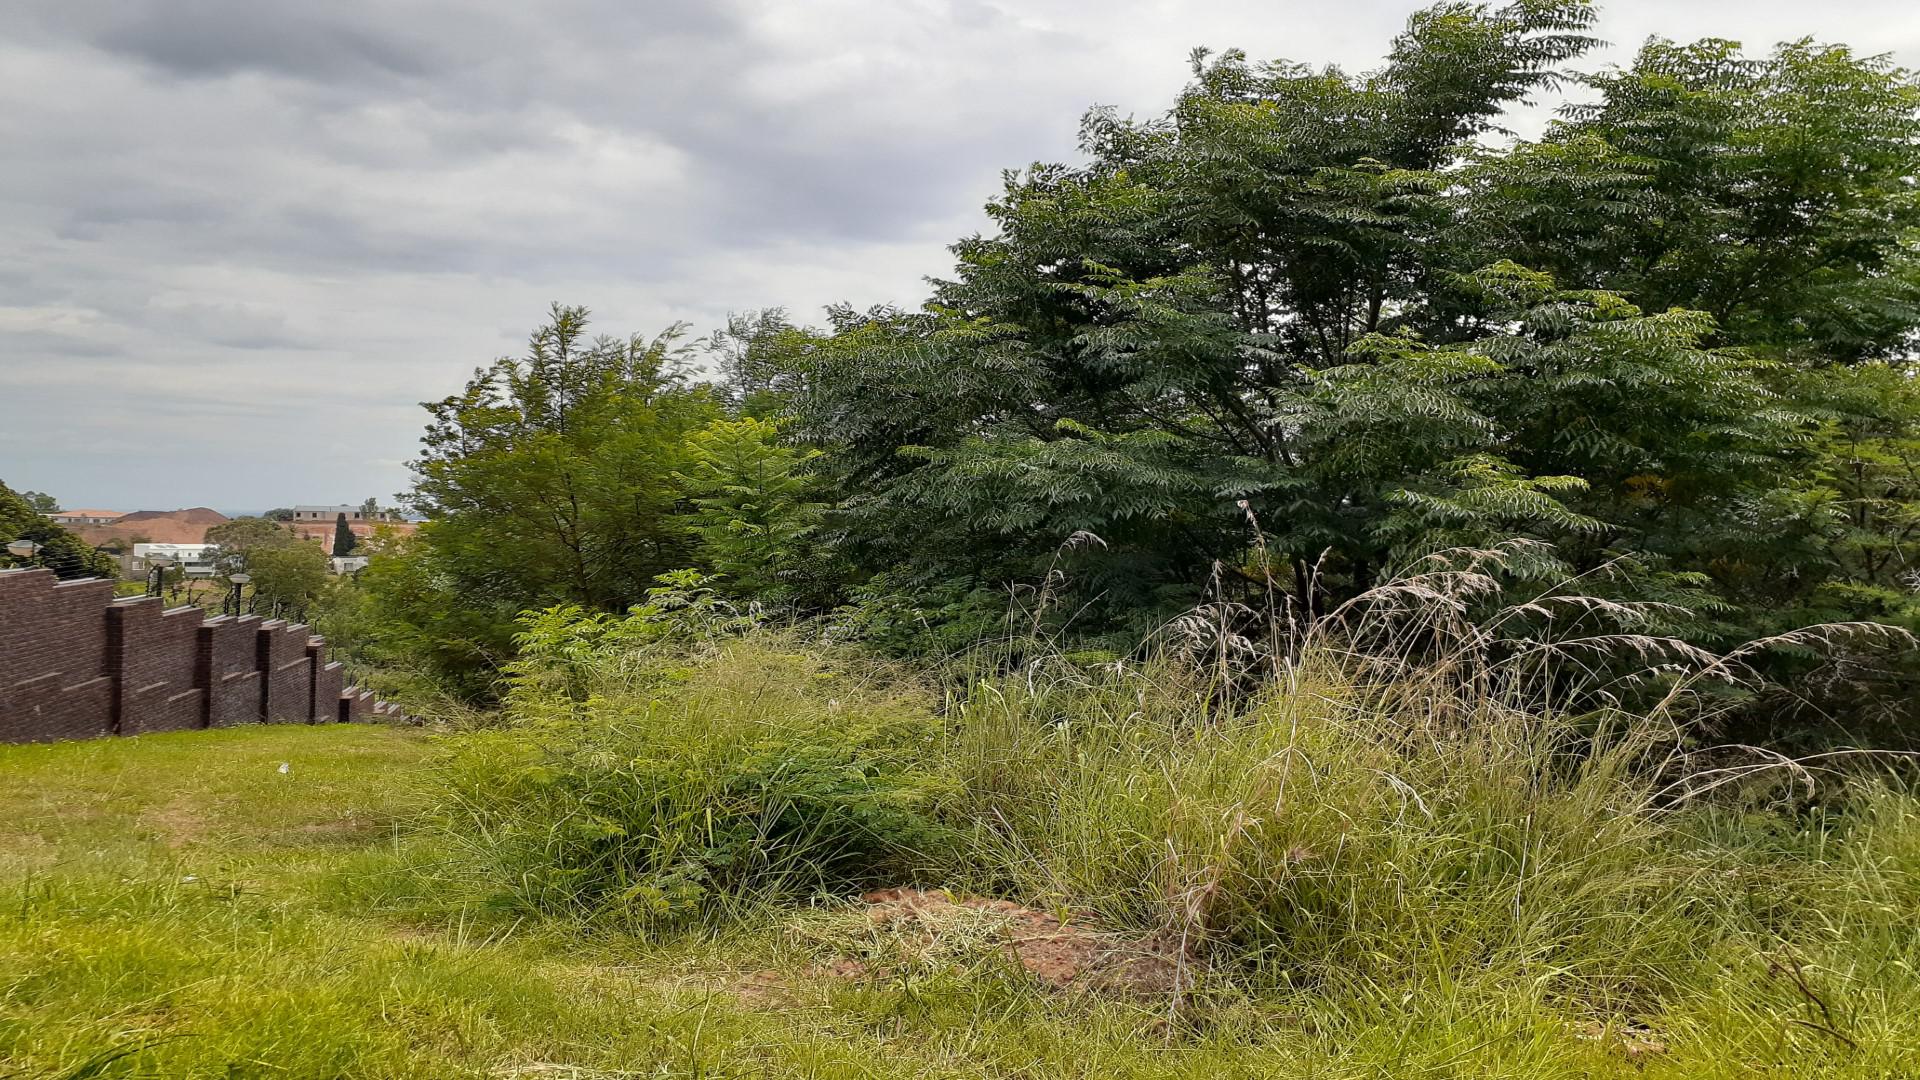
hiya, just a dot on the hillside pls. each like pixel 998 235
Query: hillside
pixel 188 526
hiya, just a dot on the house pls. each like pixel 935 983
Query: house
pixel 317 523
pixel 331 514
pixel 85 517
pixel 194 560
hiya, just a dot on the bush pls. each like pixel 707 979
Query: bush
pixel 772 775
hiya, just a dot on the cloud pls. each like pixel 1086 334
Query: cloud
pixel 246 239
pixel 205 40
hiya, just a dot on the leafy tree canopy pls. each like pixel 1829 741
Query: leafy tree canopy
pixel 1302 328
pixel 549 479
pixel 60 551
pixel 1320 305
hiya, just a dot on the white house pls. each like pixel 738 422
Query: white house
pixel 195 560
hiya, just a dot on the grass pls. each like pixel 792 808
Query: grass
pixel 1369 896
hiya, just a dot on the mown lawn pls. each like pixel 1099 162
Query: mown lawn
pixel 237 904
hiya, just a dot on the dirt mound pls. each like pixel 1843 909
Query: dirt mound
pixel 157 526
pixel 197 515
pixel 1058 952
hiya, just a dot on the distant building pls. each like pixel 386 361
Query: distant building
pixel 348 564
pixel 85 517
pixel 194 560
pixel 317 523
pixel 331 514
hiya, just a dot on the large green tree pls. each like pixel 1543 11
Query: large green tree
pixel 551 478
pixel 1774 193
pixel 237 540
pixel 1320 304
pixel 287 573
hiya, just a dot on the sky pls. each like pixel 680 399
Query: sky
pixel 242 240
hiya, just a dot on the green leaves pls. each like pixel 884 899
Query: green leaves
pixel 1315 291
pixel 1773 193
pixel 1305 318
pixel 60 551
pixel 755 512
pixel 549 479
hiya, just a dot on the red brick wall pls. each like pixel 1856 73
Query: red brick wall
pixel 329 682
pixel 284 664
pixel 329 699
pixel 152 654
pixel 54 680
pixel 76 663
pixel 226 668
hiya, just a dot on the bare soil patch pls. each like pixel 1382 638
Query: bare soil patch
pixel 905 928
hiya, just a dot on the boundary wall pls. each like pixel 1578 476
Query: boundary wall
pixel 76 663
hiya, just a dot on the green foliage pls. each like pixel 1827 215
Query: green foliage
pixel 424 621
pixel 288 578
pixel 567 653
pixel 61 551
pixel 1773 193
pixel 770 779
pixel 239 539
pixel 549 479
pixel 1362 830
pixel 288 573
pixel 754 515
pixel 343 538
pixel 1304 327
pixel 1301 330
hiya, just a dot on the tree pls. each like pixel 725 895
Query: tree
pixel 343 539
pixel 1312 303
pixel 1774 194
pixel 287 578
pixel 754 511
pixel 550 479
pixel 1148 337
pixel 279 514
pixel 756 354
pixel 41 502
pixel 60 551
pixel 240 539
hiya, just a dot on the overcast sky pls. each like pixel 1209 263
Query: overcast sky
pixel 241 240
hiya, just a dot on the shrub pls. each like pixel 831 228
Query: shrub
pixel 772 775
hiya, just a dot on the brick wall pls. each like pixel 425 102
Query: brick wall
pixel 54 678
pixel 288 672
pixel 329 683
pixel 226 668
pixel 76 663
pixel 152 653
